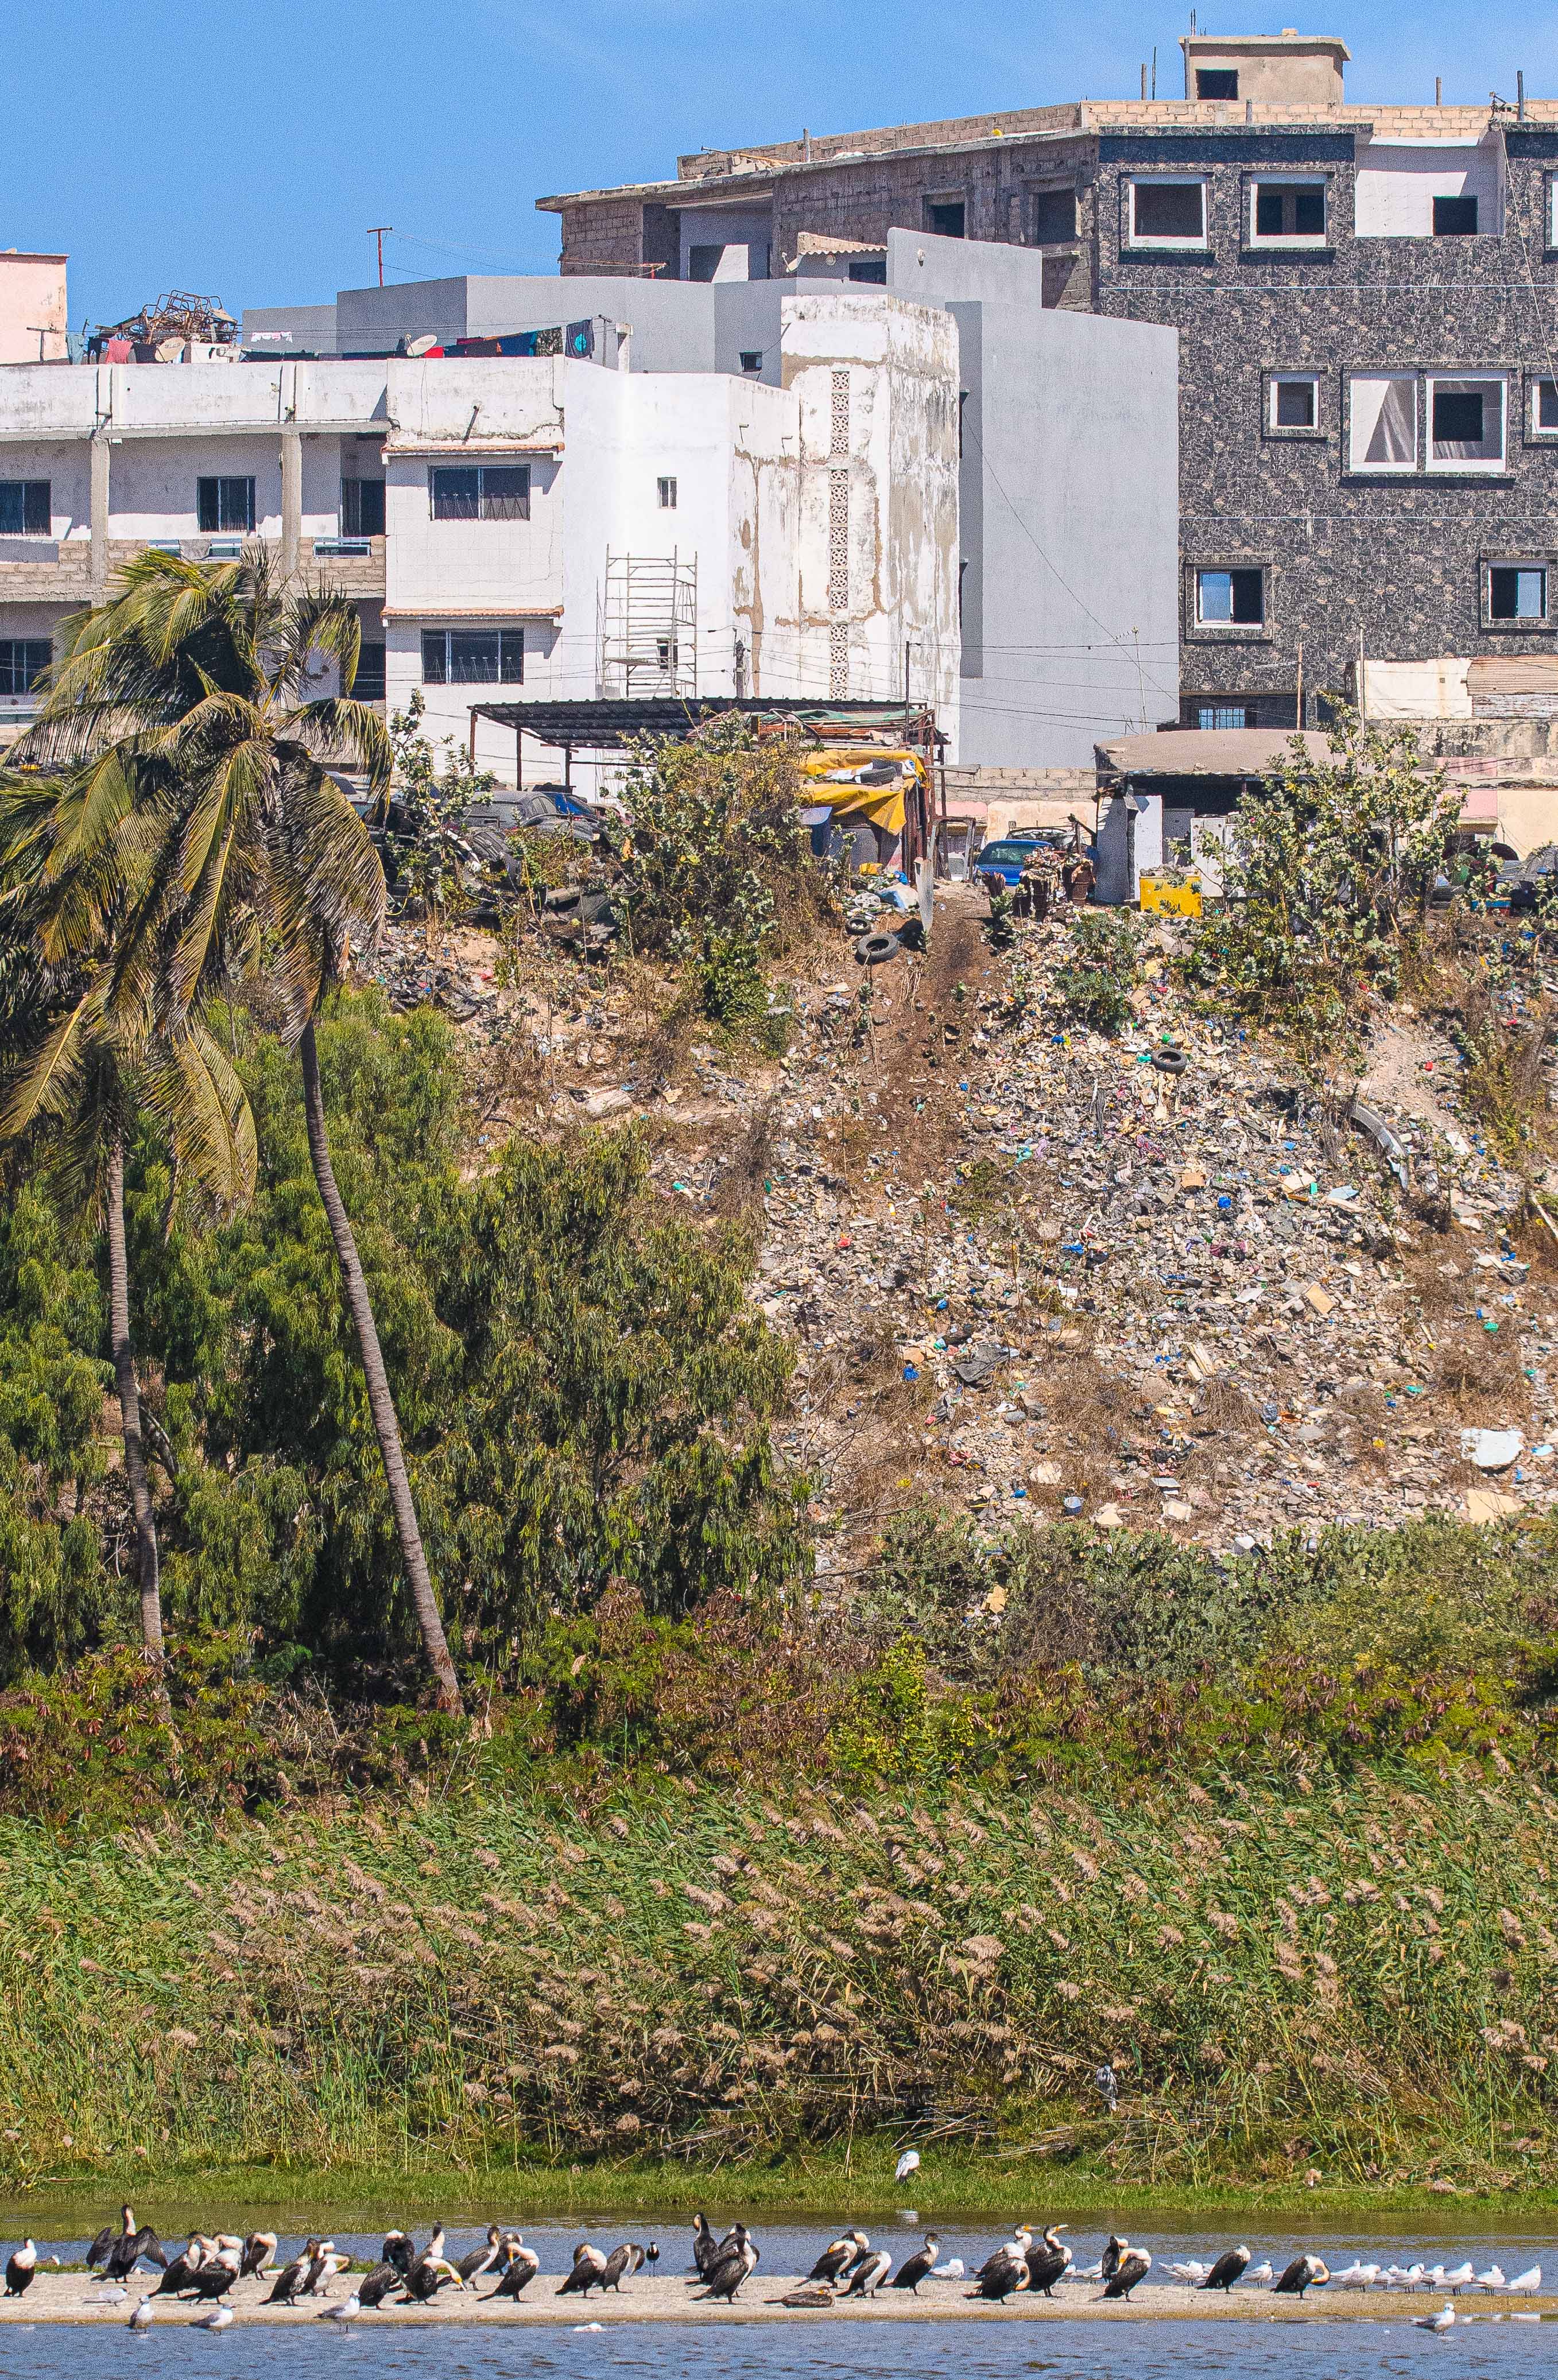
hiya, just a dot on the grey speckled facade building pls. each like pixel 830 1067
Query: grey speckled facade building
pixel 1366 301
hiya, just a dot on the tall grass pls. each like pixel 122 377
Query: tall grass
pixel 1360 1981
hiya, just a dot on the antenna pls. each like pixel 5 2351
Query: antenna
pixel 377 231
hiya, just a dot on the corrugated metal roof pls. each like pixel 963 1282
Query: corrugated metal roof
pixel 608 725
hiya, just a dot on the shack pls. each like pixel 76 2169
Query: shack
pixel 1165 800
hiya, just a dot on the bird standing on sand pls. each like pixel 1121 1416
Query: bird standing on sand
pixel 482 2260
pixel 1133 2266
pixel 588 2272
pixel 1304 2273
pixel 1001 2275
pixel 292 2275
pixel 1230 2267
pixel 705 2247
pixel 840 2255
pixel 870 2274
pixel 625 2259
pixel 726 2277
pixel 181 2271
pixel 520 2266
pixel 1048 2260
pixel 1115 2249
pixel 916 2268
pixel 19 2269
pixel 259 2253
pixel 124 2249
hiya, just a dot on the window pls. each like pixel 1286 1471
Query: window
pixel 363 508
pixel 870 268
pixel 703 259
pixel 481 491
pixel 224 504
pixel 23 661
pixel 1455 218
pixel 1230 598
pixel 945 217
pixel 1226 714
pixel 1294 401
pixel 473 656
pixel 1288 211
pixel 1517 594
pixel 1054 215
pixel 369 684
pixel 1165 214
pixel 1544 408
pixel 751 360
pixel 1217 82
pixel 1465 425
pixel 666 490
pixel 24 508
pixel 1382 429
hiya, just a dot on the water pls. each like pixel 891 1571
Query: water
pixel 808 2350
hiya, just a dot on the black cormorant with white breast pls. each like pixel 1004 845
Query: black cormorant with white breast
pixel 179 2273
pixel 840 2256
pixel 124 2249
pixel 588 2272
pixel 870 2274
pixel 217 2273
pixel 259 2253
pixel 1134 2265
pixel 1304 2273
pixel 289 2281
pixel 1109 2262
pixel 1230 2266
pixel 913 2269
pixel 726 2277
pixel 430 2273
pixel 520 2266
pixel 1048 2260
pixel 1001 2275
pixel 20 2266
pixel 483 2259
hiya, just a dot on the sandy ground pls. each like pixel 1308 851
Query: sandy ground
pixel 72 2296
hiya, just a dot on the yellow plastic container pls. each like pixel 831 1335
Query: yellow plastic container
pixel 1171 896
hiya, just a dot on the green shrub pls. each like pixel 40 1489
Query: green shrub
pixel 1103 957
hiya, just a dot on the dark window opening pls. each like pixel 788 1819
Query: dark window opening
pixel 1517 594
pixel 751 360
pixel 363 508
pixel 224 504
pixel 1054 215
pixel 1453 218
pixel 945 217
pixel 1230 598
pixel 1457 416
pixel 481 491
pixel 1294 406
pixel 872 269
pixel 370 681
pixel 473 656
pixel 1169 210
pixel 23 661
pixel 24 508
pixel 1217 82
pixel 703 261
pixel 667 491
pixel 1290 210
pixel 1547 405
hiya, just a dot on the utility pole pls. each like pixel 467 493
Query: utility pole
pixel 377 231
pixel 1300 684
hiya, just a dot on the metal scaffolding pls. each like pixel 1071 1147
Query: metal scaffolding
pixel 648 627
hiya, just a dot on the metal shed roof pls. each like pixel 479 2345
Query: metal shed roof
pixel 606 726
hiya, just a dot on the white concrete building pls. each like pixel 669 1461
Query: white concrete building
pixel 559 523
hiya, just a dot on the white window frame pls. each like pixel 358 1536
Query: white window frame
pixel 1292 380
pixel 666 491
pixel 1386 470
pixel 1258 182
pixel 1157 181
pixel 1479 466
pixel 1536 427
pixel 1229 627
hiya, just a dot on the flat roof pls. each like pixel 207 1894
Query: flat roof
pixel 609 725
pixel 1206 751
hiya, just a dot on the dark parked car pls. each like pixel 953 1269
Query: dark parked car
pixel 1008 857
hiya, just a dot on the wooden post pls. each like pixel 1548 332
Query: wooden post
pixel 471 745
pixel 1300 684
pixel 518 761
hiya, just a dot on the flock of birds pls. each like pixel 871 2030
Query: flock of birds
pixel 207 2268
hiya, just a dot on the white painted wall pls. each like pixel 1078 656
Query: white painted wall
pixel 1397 183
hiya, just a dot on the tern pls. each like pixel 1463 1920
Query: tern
pixel 219 2318
pixel 141 2320
pixel 347 2312
pixel 1438 2323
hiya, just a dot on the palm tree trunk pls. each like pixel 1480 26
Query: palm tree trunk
pixel 129 1408
pixel 381 1402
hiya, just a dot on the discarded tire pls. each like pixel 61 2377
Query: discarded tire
pixel 1170 1061
pixel 875 950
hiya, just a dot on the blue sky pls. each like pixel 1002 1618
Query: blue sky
pixel 243 149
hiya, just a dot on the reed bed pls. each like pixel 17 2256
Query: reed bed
pixel 1357 1983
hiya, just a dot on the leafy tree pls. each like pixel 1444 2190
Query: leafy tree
pixel 1330 865
pixel 202 829
pixel 431 801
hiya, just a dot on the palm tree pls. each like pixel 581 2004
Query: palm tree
pixel 188 709
pixel 76 1083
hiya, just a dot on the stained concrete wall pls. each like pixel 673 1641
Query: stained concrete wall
pixel 1070 508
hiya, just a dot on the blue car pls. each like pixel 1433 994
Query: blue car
pixel 1008 857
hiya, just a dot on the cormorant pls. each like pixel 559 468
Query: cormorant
pixel 915 2269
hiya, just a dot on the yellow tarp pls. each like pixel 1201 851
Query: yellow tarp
pixel 880 806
